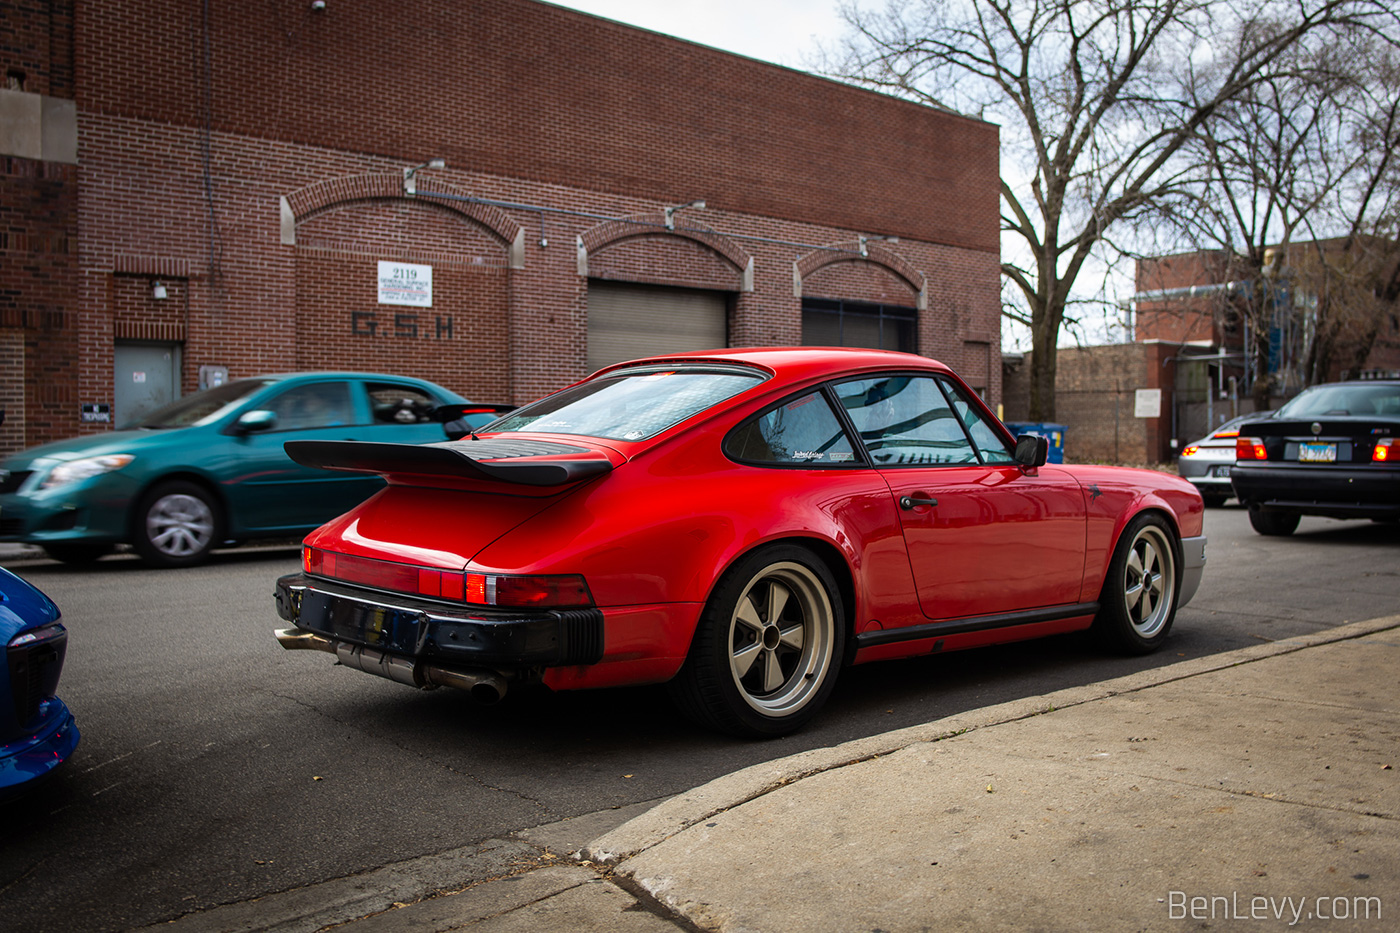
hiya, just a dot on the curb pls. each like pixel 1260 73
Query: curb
pixel 701 803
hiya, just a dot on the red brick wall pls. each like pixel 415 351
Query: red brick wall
pixel 1186 318
pixel 36 41
pixel 526 90
pixel 1095 394
pixel 38 296
pixel 460 342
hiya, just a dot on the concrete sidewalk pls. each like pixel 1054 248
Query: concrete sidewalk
pixel 1256 789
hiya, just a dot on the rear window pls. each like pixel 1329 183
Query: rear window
pixel 1364 400
pixel 630 404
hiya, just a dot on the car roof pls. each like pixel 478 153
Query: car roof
pixel 336 374
pixel 794 362
pixel 1358 382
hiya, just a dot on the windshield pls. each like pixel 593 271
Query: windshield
pixel 202 407
pixel 630 404
pixel 1346 399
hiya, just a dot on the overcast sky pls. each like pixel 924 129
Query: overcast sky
pixel 782 31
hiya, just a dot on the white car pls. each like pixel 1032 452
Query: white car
pixel 1208 461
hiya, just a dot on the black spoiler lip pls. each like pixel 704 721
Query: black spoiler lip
pixel 441 460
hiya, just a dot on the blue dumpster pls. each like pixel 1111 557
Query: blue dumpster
pixel 1054 432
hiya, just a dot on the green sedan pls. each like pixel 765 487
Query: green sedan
pixel 209 468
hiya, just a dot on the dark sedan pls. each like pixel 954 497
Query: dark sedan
pixel 1333 451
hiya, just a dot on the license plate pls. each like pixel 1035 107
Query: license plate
pixel 1220 471
pixel 1317 453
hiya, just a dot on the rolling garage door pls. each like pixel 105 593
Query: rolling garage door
pixel 626 321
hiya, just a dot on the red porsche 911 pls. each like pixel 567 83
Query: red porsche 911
pixel 741 524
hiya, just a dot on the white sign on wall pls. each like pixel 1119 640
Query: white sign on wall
pixel 1147 403
pixel 403 283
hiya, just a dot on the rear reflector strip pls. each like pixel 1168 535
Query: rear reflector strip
pixel 540 591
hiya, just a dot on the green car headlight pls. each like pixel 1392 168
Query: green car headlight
pixel 75 470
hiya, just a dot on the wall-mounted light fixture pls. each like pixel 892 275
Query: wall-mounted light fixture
pixel 865 241
pixel 410 175
pixel 318 5
pixel 671 212
pixel 158 292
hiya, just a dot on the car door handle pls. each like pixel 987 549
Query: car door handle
pixel 909 502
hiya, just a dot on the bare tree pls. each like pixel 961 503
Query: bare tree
pixel 1097 98
pixel 1266 161
pixel 1294 190
pixel 1356 282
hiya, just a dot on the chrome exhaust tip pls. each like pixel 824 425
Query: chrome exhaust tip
pixel 295 639
pixel 484 686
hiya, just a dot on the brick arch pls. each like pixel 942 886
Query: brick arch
pixel 612 232
pixel 321 196
pixel 858 251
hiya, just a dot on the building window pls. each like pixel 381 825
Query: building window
pixel 833 322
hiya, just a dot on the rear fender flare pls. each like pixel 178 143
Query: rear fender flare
pixel 836 559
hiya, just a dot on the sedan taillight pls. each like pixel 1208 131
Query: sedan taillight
pixel 1250 448
pixel 1387 450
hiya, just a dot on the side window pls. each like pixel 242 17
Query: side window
pixel 906 421
pixel 318 405
pixel 988 441
pixel 802 431
pixel 393 403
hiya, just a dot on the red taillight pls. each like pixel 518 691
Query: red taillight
pixel 538 591
pixel 1387 450
pixel 1250 448
pixel 1191 450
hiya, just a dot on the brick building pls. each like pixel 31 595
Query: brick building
pixel 1097 400
pixel 196 192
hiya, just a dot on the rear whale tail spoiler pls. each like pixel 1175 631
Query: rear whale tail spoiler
pixel 526 463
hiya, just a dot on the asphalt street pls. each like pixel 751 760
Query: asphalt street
pixel 216 767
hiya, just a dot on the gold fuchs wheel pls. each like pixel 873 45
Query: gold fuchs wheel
pixel 1138 602
pixel 768 646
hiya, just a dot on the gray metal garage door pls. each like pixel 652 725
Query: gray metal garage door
pixel 626 321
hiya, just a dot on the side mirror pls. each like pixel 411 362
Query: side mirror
pixel 1032 450
pixel 251 422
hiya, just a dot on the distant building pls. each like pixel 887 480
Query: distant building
pixel 196 193
pixel 1318 311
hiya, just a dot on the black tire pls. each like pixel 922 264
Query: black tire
pixel 1275 524
pixel 176 525
pixel 77 553
pixel 1138 603
pixel 1214 500
pixel 768 647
